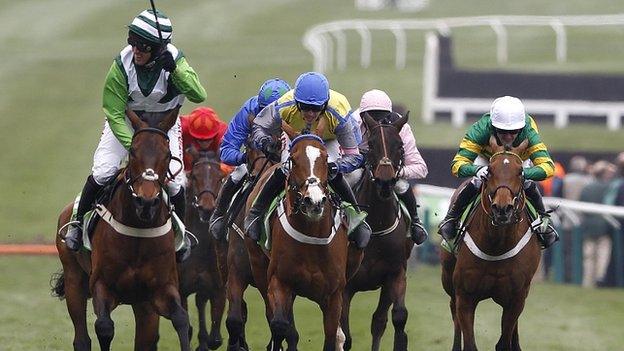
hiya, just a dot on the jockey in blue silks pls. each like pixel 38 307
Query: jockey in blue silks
pixel 232 153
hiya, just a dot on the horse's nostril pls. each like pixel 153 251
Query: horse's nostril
pixel 307 200
pixel 508 208
pixel 323 200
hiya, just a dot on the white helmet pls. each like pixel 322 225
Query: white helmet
pixel 507 113
pixel 375 100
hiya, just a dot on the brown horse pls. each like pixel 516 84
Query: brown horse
pixel 133 257
pixel 309 246
pixel 201 273
pixel 385 258
pixel 498 255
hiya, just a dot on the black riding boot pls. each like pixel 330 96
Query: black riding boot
pixel 179 207
pixel 272 188
pixel 362 233
pixel 545 232
pixel 418 233
pixel 218 220
pixel 73 238
pixel 448 226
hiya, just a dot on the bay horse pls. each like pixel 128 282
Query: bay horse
pixel 309 246
pixel 204 272
pixel 136 266
pixel 385 258
pixel 498 255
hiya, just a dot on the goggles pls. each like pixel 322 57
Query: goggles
pixel 141 45
pixel 307 107
pixel 503 131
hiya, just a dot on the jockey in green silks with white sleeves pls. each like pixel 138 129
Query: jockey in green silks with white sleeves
pixel 151 77
pixel 509 123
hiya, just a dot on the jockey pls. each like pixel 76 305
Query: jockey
pixel 302 109
pixel 203 130
pixel 237 133
pixel 152 78
pixel 509 123
pixel 379 106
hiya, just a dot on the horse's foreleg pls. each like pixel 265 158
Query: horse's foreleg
pixel 456 326
pixel 146 328
pixel 293 336
pixel 280 302
pixel 217 306
pixel 399 311
pixel 103 304
pixel 515 340
pixel 184 301
pixel 168 304
pixel 344 317
pixel 202 334
pixel 465 309
pixel 380 317
pixel 448 266
pixel 331 320
pixel 235 321
pixel 76 294
pixel 509 323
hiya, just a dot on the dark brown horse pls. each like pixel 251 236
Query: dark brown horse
pixel 385 258
pixel 133 257
pixel 498 255
pixel 201 273
pixel 309 246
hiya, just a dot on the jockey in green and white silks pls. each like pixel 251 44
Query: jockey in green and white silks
pixel 509 123
pixel 151 78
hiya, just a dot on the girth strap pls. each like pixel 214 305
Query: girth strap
pixel 302 238
pixel 121 228
pixel 472 246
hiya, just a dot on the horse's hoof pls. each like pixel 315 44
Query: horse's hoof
pixel 214 344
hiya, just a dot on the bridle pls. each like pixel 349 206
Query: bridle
pixel 149 174
pixel 202 161
pixel 385 159
pixel 519 197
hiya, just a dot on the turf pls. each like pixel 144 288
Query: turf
pixel 556 317
pixel 55 55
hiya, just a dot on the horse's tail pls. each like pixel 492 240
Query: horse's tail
pixel 57 283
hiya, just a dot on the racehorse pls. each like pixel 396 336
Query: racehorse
pixel 309 247
pixel 498 256
pixel 204 272
pixel 385 258
pixel 133 257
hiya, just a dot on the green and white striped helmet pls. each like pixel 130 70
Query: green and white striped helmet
pixel 144 25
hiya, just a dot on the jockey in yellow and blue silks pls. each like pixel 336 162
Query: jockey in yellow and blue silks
pixel 302 109
pixel 232 153
pixel 509 123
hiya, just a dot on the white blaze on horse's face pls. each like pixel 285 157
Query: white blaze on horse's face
pixel 314 190
pixel 506 161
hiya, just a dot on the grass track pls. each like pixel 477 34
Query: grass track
pixel 556 317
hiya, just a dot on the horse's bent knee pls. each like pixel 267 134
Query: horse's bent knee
pixel 399 317
pixel 105 328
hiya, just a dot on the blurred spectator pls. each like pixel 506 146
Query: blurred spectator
pixel 615 196
pixel 596 230
pixel 553 186
pixel 576 179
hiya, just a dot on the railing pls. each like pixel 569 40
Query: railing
pixel 319 39
pixel 566 211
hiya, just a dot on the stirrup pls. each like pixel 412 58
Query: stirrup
pixel 416 227
pixel 217 227
pixel 445 222
pixel 74 223
pixel 254 224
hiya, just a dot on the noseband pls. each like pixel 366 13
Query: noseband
pixel 519 198
pixel 197 196
pixel 385 159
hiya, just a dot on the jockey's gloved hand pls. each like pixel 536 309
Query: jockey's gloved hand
pixel 332 170
pixel 482 173
pixel 166 60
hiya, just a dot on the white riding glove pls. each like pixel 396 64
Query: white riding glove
pixel 482 173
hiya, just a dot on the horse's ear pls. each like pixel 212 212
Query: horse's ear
pixel 193 152
pixel 321 127
pixel 290 131
pixel 370 121
pixel 136 121
pixel 169 120
pixel 399 123
pixel 518 150
pixel 493 146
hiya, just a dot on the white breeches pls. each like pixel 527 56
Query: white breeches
pixel 110 154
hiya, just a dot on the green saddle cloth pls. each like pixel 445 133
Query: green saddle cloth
pixel 354 218
pixel 178 226
pixel 453 246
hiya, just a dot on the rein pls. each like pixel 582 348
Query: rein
pixel 385 160
pixel 519 197
pixel 199 162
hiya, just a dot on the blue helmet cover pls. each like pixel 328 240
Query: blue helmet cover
pixel 312 88
pixel 272 90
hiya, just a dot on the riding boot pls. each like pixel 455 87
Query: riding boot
pixel 418 233
pixel 272 188
pixel 179 207
pixel 545 232
pixel 448 226
pixel 219 217
pixel 73 238
pixel 362 233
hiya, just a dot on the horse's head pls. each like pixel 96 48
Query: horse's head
pixel 504 185
pixel 385 155
pixel 148 163
pixel 204 181
pixel 307 178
